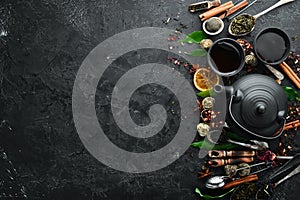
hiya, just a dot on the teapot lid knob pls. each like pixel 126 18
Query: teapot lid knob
pixel 261 109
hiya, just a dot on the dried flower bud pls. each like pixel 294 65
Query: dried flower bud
pixel 206 43
pixel 246 171
pixel 248 48
pixel 202 129
pixel 208 102
pixel 230 170
pixel 251 60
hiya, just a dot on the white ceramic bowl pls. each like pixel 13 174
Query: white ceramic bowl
pixel 213 33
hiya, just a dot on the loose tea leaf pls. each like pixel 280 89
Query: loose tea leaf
pixel 245 191
pixel 194 37
pixel 207 145
pixel 207 197
pixel 198 52
pixel 242 24
pixel 291 93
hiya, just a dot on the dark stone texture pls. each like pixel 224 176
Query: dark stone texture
pixel 46 43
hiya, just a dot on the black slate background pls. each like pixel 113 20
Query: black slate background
pixel 45 44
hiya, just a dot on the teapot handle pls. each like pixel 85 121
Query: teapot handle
pixel 245 129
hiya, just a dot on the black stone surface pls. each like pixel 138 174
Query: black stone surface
pixel 42 45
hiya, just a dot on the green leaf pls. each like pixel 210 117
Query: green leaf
pixel 203 94
pixel 198 53
pixel 194 37
pixel 291 93
pixel 206 93
pixel 207 197
pixel 207 145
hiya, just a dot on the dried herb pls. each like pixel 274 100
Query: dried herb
pixel 198 6
pixel 242 24
pixel 247 46
pixel 207 145
pixel 245 192
pixel 291 93
pixel 293 61
pixel 207 197
pixel 194 37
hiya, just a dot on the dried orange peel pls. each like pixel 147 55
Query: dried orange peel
pixel 205 79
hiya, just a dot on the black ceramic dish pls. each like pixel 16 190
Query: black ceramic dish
pixel 273 43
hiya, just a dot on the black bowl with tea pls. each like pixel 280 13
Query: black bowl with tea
pixel 226 57
pixel 272 46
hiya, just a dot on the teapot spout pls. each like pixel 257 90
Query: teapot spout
pixel 218 89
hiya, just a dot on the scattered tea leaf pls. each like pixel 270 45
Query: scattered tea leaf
pixel 207 145
pixel 194 37
pixel 208 197
pixel 291 93
pixel 198 53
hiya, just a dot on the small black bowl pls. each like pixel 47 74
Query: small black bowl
pixel 273 40
pixel 227 45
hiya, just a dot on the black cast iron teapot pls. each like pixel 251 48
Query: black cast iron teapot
pixel 257 105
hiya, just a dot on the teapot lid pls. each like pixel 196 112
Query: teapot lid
pixel 259 104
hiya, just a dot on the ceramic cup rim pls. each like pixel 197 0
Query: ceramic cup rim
pixel 242 59
pixel 281 33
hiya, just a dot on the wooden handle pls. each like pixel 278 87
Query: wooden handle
pixel 222 8
pixel 290 73
pixel 246 179
pixel 224 154
pixel 234 9
pixel 222 162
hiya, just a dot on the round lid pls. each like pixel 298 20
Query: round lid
pixel 259 104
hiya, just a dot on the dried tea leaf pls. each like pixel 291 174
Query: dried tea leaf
pixel 242 24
